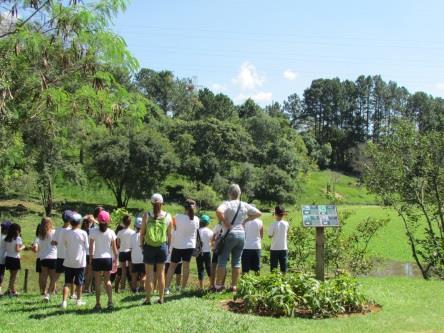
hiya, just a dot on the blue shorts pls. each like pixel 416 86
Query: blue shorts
pixel 234 244
pixel 251 260
pixel 75 275
pixel 102 264
pixel 153 255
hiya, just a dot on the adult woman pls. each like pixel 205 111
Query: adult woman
pixel 184 242
pixel 233 214
pixel 155 236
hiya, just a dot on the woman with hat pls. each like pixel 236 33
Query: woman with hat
pixel 102 250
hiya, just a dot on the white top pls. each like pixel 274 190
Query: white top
pixel 253 235
pixel 46 250
pixel 76 243
pixel 206 234
pixel 136 250
pixel 102 242
pixel 61 249
pixel 2 249
pixel 124 236
pixel 278 231
pixel 10 248
pixel 229 209
pixel 185 232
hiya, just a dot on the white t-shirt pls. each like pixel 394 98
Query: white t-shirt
pixel 46 250
pixel 185 232
pixel 124 236
pixel 278 231
pixel 136 250
pixel 10 248
pixel 76 244
pixel 61 249
pixel 102 243
pixel 229 208
pixel 253 235
pixel 206 234
pixel 2 249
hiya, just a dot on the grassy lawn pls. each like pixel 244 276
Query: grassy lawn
pixel 409 305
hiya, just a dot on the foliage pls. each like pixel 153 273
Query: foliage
pixel 301 295
pixel 204 195
pixel 117 216
pixel 406 170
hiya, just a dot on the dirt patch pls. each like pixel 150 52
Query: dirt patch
pixel 238 306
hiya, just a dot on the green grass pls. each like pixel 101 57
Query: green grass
pixel 408 305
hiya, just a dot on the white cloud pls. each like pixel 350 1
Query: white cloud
pixel 217 87
pixel 259 97
pixel 248 77
pixel 440 86
pixel 290 74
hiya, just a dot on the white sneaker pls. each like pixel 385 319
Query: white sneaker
pixel 46 298
pixel 64 304
pixel 166 291
pixel 80 302
pixel 73 296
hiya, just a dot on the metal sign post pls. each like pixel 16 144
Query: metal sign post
pixel 320 217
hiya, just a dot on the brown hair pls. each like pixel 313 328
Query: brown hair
pixel 189 207
pixel 157 208
pixel 126 220
pixel 45 227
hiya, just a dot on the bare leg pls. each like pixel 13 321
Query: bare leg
pixel 213 275
pixel 89 277
pixel 170 274
pixel 79 292
pixel 149 282
pixel 52 281
pixel 108 287
pixel 160 273
pixel 97 283
pixel 65 292
pixel 185 273
pixel 178 279
pixel 134 281
pixel 13 277
pixel 235 273
pixel 124 277
pixel 117 283
pixel 43 279
pixel 220 276
pixel 142 281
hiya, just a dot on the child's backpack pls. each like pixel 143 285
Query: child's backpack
pixel 156 231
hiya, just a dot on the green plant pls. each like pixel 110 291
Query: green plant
pixel 117 215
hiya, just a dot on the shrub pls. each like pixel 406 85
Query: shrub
pixel 301 295
pixel 117 215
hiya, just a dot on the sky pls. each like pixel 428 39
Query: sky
pixel 268 50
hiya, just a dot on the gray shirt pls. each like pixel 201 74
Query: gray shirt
pixel 229 209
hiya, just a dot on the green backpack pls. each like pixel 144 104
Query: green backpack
pixel 156 231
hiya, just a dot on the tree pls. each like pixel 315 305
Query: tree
pixel 406 169
pixel 133 164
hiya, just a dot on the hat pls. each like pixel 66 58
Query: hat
pixel 279 210
pixel 67 216
pixel 103 217
pixel 138 223
pixel 157 198
pixel 6 224
pixel 76 217
pixel 205 219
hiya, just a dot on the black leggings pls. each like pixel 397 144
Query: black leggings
pixel 203 264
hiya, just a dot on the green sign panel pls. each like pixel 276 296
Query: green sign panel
pixel 320 216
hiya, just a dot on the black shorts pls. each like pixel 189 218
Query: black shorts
pixel 214 258
pixel 49 263
pixel 2 272
pixel 12 264
pixel 251 260
pixel 38 266
pixel 75 275
pixel 153 255
pixel 178 255
pixel 102 264
pixel 138 268
pixel 177 271
pixel 125 256
pixel 59 266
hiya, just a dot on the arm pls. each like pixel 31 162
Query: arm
pixel 271 231
pixel 169 232
pixel 253 215
pixel 221 216
pixel 143 229
pixel 261 232
pixel 19 247
pixel 114 249
pixel 91 248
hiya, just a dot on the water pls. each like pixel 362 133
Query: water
pixel 395 268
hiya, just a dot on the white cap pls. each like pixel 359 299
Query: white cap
pixel 138 223
pixel 157 198
pixel 77 217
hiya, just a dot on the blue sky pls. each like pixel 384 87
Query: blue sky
pixel 268 50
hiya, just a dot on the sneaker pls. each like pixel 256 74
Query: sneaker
pixel 166 291
pixel 97 307
pixel 146 302
pixel 46 298
pixel 110 306
pixel 80 302
pixel 73 296
pixel 64 304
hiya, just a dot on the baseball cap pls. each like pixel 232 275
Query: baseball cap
pixel 67 215
pixel 76 217
pixel 157 198
pixel 103 217
pixel 138 223
pixel 5 225
pixel 279 210
pixel 205 219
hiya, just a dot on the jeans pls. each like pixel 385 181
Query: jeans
pixel 234 244
pixel 279 257
pixel 203 264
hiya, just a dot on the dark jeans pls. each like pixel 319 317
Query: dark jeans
pixel 279 257
pixel 203 264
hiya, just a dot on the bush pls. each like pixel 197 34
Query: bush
pixel 117 215
pixel 301 295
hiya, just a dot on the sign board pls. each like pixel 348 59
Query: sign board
pixel 320 216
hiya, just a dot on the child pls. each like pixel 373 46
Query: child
pixel 138 267
pixel 13 245
pixel 251 255
pixel 124 245
pixel 217 233
pixel 102 247
pixel 203 260
pixel 35 249
pixel 87 225
pixel 76 244
pixel 4 230
pixel 67 217
pixel 278 233
pixel 47 252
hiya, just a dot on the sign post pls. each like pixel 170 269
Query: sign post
pixel 320 217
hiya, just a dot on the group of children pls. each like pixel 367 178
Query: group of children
pixel 160 246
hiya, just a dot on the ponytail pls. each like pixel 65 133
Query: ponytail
pixel 189 207
pixel 103 227
pixel 157 208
